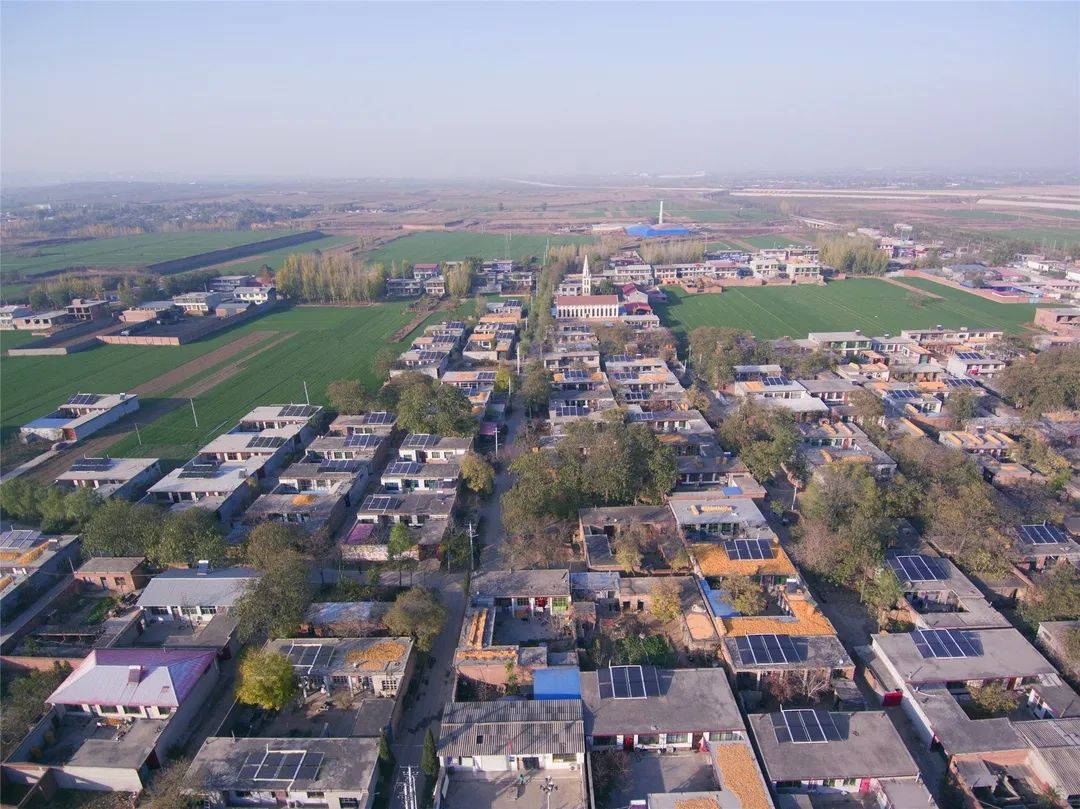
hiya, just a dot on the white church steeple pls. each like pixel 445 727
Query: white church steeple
pixel 586 278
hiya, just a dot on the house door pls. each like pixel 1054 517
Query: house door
pixel 864 785
pixel 531 762
pixel 628 743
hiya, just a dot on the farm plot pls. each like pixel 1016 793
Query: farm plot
pixel 1061 238
pixel 773 242
pixel 317 345
pixel 275 258
pixel 126 251
pixel 871 305
pixel 454 245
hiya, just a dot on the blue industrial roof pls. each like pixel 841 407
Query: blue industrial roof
pixel 657 230
pixel 557 682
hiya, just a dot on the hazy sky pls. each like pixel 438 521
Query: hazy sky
pixel 206 90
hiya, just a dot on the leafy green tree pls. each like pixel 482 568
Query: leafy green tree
pixel 503 379
pixel 429 757
pixel 266 680
pixel 764 438
pixel 188 537
pixel 120 528
pixel 882 592
pixel 402 540
pixel 961 404
pixel 1055 597
pixel 416 613
pixel 743 594
pixel 348 396
pixel 386 755
pixel 478 474
pixel 665 600
pixel 170 788
pixel 21 499
pixel 267 541
pixel 635 650
pixel 991 700
pixel 425 405
pixel 536 388
pixel 1046 382
pixel 274 605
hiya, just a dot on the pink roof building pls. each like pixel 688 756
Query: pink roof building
pixel 134 678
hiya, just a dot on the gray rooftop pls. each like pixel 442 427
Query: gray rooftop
pixel 505 583
pixel 534 727
pixel 821 652
pixel 216 588
pixel 345 764
pixel 869 747
pixel 1005 653
pixel 111 564
pixel 690 700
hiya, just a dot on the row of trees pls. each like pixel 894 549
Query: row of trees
pixel 1045 382
pixel 53 509
pixel 331 278
pixel 121 528
pixel 714 353
pixel 853 255
pixel 672 252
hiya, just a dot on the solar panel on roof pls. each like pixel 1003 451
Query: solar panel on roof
pixel 771 649
pixel 18 539
pixel 91 465
pixel 377 502
pixel 403 468
pixel 906 393
pixel 946 643
pixel 485 376
pixel 968 355
pixel 575 375
pixel 623 376
pixel 635 396
pixel 362 441
pixel 296 411
pixel 917 568
pixel 338 465
pixel 420 440
pixel 570 411
pixel 805 726
pixel 431 356
pixel 83 399
pixel 957 382
pixel 747 549
pixel 266 442
pixel 378 417
pixel 1041 534
pixel 773 381
pixel 627 682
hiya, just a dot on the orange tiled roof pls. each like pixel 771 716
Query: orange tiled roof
pixel 809 621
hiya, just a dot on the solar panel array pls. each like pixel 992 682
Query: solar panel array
pixel 91 465
pixel 1041 534
pixel 403 468
pixel 432 356
pixel 282 765
pixel 485 376
pixel 623 376
pixel 308 655
pixel 575 375
pixel 968 355
pixel 946 643
pixel 205 469
pixel 636 396
pixel 19 539
pixel 266 442
pixel 83 399
pixel 378 502
pixel 747 549
pixel 765 649
pixel 957 382
pixel 362 441
pixel 804 726
pixel 378 417
pixel 774 381
pixel 628 682
pixel 420 441
pixel 917 568
pixel 338 465
pixel 570 411
pixel 297 411
pixel 905 393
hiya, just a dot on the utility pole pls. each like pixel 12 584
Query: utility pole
pixel 472 551
pixel 137 435
pixel 193 414
pixel 793 494
pixel 307 400
pixel 519 358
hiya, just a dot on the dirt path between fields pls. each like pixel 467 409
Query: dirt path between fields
pixel 222 374
pixel 925 292
pixel 97 445
pixel 177 375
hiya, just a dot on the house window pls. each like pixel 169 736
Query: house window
pixel 678 738
pixel 850 782
pixel 130 709
pixel 316 795
pixel 723 736
pixel 389 684
pixel 603 741
pixel 119 581
pixel 209 610
pixel 349 803
pixel 560 603
pixel 159 610
pixel 189 610
pixel 339 679
pixel 164 710
pixel 564 758
pixel 108 709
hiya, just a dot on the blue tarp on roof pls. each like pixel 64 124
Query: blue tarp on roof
pixel 557 682
pixel 650 231
pixel 719 607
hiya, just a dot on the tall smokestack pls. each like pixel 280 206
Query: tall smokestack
pixel 661 220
